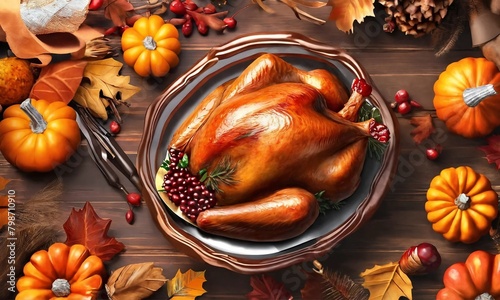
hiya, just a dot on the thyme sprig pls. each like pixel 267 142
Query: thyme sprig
pixel 326 204
pixel 367 111
pixel 223 173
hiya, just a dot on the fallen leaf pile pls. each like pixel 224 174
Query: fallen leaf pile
pixel 85 227
pixel 387 282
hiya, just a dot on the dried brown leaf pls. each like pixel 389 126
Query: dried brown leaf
pixel 116 11
pixel 387 282
pixel 344 13
pixel 59 81
pixel 186 286
pixel 135 281
pixel 85 227
pixel 424 127
pixel 266 287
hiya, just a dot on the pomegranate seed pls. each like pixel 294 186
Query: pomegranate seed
pixel 177 7
pixel 432 153
pixel 129 216
pixel 360 86
pixel 230 22
pixel 404 108
pixel 134 199
pixel 401 96
pixel 114 127
pixel 380 132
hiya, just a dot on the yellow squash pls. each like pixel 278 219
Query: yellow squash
pixel 151 46
pixel 461 204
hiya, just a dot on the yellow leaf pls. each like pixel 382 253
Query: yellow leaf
pixel 186 286
pixel 102 76
pixel 135 281
pixel 344 13
pixel 387 282
pixel 3 182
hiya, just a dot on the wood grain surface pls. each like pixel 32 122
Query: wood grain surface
pixel 394 61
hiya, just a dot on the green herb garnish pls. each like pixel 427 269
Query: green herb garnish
pixel 326 204
pixel 223 173
pixel 367 111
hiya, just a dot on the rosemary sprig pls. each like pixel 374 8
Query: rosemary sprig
pixel 367 111
pixel 223 173
pixel 326 204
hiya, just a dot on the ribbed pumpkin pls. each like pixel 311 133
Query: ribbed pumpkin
pixel 151 46
pixel 466 98
pixel 461 204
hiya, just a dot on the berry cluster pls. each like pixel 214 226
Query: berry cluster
pixel 184 189
pixel 191 15
pixel 403 103
pixel 362 87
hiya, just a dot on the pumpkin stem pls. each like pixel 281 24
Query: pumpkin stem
pixel 473 96
pixel 61 288
pixel 462 201
pixel 484 296
pixel 37 124
pixel 149 43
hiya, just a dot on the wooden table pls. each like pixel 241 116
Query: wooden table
pixel 394 61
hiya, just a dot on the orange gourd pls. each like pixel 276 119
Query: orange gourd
pixel 461 204
pixel 65 272
pixel 38 135
pixel 476 278
pixel 466 98
pixel 151 46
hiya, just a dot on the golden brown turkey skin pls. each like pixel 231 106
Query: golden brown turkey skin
pixel 271 138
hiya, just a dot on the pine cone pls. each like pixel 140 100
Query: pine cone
pixel 414 17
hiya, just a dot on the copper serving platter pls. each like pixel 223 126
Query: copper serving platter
pixel 225 62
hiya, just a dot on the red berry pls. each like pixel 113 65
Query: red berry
pixel 402 96
pixel 134 199
pixel 187 28
pixel 230 22
pixel 432 153
pixel 111 30
pixel 114 127
pixel 95 4
pixel 404 108
pixel 177 7
pixel 202 28
pixel 129 216
pixel 362 87
pixel 123 28
pixel 415 104
pixel 190 5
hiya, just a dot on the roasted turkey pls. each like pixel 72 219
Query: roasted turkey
pixel 268 141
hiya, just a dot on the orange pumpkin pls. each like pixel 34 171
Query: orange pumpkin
pixel 151 46
pixel 38 135
pixel 466 98
pixel 476 278
pixel 461 204
pixel 61 272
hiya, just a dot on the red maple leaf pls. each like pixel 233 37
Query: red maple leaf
pixel 266 287
pixel 492 150
pixel 116 11
pixel 85 227
pixel 424 127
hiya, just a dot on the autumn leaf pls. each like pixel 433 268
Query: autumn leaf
pixel 387 282
pixel 3 182
pixel 59 81
pixel 424 127
pixel 135 281
pixel 344 13
pixel 266 287
pixel 492 150
pixel 102 77
pixel 85 227
pixel 329 285
pixel 116 11
pixel 186 286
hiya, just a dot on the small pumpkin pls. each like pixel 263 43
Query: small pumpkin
pixel 62 271
pixel 151 46
pixel 461 204
pixel 38 135
pixel 466 97
pixel 476 278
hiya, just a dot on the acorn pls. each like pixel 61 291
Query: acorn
pixel 16 80
pixel 420 260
